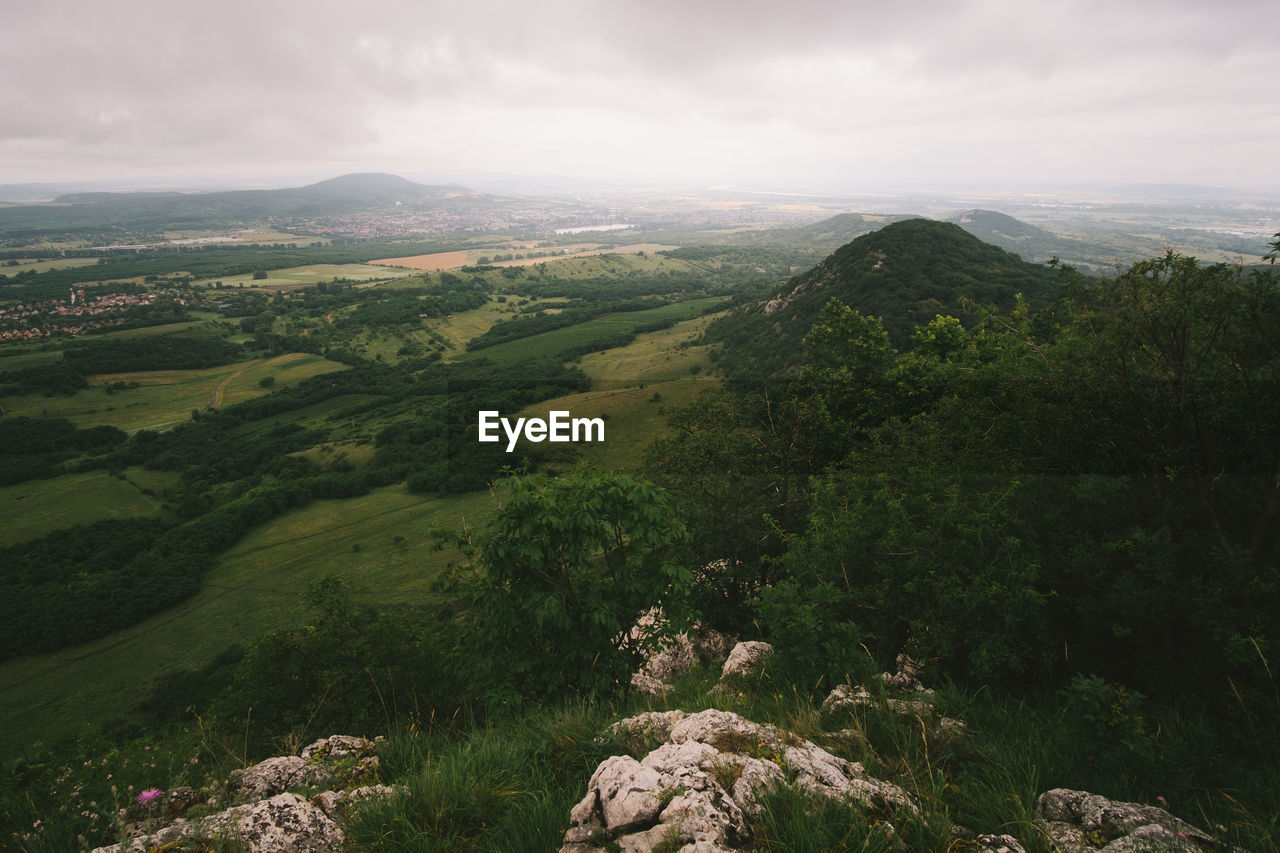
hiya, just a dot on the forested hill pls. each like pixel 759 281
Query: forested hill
pixel 337 196
pixel 906 273
pixel 1030 242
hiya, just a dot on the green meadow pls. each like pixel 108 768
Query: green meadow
pixel 165 398
pixel 464 326
pixel 377 542
pixel 37 507
pixel 46 265
pixel 632 387
pixel 22 356
pixel 550 344
pixel 663 355
pixel 608 266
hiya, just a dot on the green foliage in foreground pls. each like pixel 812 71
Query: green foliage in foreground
pixel 559 578
pixel 507 783
pixel 1091 489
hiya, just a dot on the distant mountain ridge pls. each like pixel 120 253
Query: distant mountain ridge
pixel 1029 241
pixel 343 195
pixel 991 226
pixel 360 187
pixel 906 273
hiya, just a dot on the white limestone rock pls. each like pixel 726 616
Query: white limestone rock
pixel 275 776
pixel 702 784
pixel 285 823
pixel 340 746
pixel 1080 822
pixel 746 660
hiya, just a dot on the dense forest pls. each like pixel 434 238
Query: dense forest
pixel 1093 483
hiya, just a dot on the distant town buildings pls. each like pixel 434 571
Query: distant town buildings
pixel 75 315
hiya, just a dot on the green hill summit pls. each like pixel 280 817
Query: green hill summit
pixel 905 273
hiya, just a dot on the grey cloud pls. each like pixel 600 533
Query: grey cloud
pixel 388 80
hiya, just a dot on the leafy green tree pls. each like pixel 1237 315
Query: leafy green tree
pixel 559 578
pixel 738 466
pixel 1173 373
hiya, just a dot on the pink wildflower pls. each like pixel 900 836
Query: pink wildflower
pixel 149 795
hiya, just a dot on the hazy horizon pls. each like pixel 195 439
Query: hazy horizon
pixel 811 96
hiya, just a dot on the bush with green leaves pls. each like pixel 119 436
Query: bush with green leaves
pixel 350 668
pixel 556 582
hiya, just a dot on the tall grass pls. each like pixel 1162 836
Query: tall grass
pixel 506 786
pixel 506 783
pixel 509 786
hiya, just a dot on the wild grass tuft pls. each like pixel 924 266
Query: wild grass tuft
pixel 506 786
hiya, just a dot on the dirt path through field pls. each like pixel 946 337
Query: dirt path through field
pixel 215 399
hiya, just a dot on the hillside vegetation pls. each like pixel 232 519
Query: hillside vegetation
pixel 1060 493
pixel 906 273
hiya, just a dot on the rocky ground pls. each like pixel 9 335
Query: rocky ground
pixel 696 788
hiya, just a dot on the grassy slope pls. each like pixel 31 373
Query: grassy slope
pixel 255 587
pixel 624 384
pixel 45 265
pixel 22 356
pixel 37 507
pixel 167 397
pixel 558 340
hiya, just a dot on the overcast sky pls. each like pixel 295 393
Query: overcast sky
pixel 797 94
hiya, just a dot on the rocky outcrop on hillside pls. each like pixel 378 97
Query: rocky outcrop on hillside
pixel 746 660
pixel 699 787
pixel 913 699
pixel 272 817
pixel 1080 822
pixel 699 646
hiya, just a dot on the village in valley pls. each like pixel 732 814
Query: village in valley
pixel 72 316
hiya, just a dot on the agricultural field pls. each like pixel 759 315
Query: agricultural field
pixel 610 264
pixel 376 542
pixel 37 507
pixel 631 249
pixel 167 329
pixel 440 261
pixel 549 344
pixel 430 263
pixel 260 236
pixel 305 276
pixel 164 398
pixel 39 266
